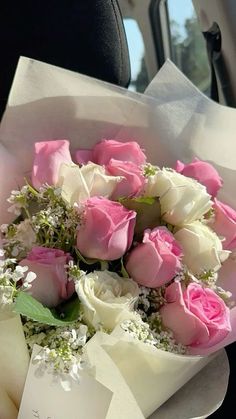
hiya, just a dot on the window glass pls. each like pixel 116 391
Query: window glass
pixel 139 77
pixel 188 47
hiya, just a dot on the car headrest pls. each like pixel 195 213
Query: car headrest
pixel 86 36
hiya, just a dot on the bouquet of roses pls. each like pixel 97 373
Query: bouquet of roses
pixel 108 240
pixel 110 265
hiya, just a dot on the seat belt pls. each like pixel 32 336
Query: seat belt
pixel 219 73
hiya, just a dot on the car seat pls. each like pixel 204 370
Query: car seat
pixel 85 36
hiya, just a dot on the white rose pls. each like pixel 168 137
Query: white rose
pixel 80 183
pixel 182 199
pixel 106 298
pixel 202 248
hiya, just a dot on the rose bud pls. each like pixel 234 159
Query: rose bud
pixel 197 316
pixel 107 229
pixel 49 155
pixel 106 150
pixel 51 286
pixel 203 172
pixel 224 224
pixel 156 260
pixel 133 180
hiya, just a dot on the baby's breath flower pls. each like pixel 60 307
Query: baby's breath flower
pixel 209 217
pixel 21 200
pixel 62 349
pixel 208 278
pixel 74 272
pixel 153 333
pixel 6 298
pixel 185 276
pixel 139 330
pixel 18 238
pixel 10 275
pixel 55 224
pixel 14 248
pixel 150 300
pixel 150 170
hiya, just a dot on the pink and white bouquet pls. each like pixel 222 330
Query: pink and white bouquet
pixel 108 240
pixel 111 265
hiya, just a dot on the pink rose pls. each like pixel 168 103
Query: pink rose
pixel 51 286
pixel 107 231
pixel 157 260
pixel 203 172
pixel 224 224
pixel 83 156
pixel 106 150
pixel 49 155
pixel 133 182
pixel 197 316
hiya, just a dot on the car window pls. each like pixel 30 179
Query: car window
pixel 177 35
pixel 187 44
pixel 139 77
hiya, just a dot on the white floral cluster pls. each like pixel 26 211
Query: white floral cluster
pixel 50 221
pixel 139 330
pixel 164 337
pixel 152 333
pixel 150 300
pixel 55 223
pixel 74 271
pixel 18 238
pixel 10 275
pixel 150 170
pixel 61 353
pixel 151 330
pixel 18 200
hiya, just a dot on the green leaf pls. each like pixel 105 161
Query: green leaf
pixel 124 272
pixel 28 306
pixel 148 213
pixel 71 310
pixel 145 200
pixel 140 200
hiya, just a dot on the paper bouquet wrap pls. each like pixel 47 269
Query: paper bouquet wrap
pixel 171 121
pixel 14 364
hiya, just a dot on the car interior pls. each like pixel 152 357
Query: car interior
pixel 125 42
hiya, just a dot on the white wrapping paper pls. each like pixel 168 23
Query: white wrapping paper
pixel 151 374
pixel 191 125
pixel 200 396
pixel 173 121
pixel 14 361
